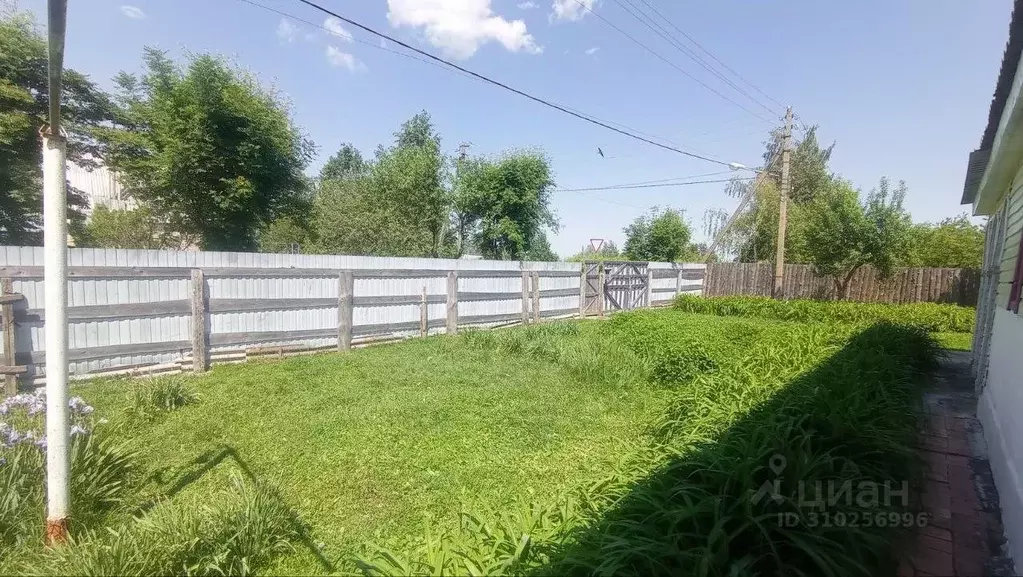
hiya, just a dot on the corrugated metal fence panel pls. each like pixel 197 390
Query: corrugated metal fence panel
pixel 321 316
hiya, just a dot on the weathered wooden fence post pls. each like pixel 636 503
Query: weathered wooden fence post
pixel 424 315
pixel 582 290
pixel 10 345
pixel 678 283
pixel 600 290
pixel 525 297
pixel 452 328
pixel 345 309
pixel 649 286
pixel 536 297
pixel 200 359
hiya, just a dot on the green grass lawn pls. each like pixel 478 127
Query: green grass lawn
pixel 571 446
pixel 377 441
pixel 955 341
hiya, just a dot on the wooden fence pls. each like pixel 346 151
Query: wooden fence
pixel 908 285
pixel 137 311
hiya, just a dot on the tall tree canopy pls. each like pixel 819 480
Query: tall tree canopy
pixel 843 234
pixel 661 235
pixel 208 149
pixel 504 205
pixel 346 163
pixel 952 243
pixel 23 110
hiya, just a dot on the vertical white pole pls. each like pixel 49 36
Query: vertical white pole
pixel 55 272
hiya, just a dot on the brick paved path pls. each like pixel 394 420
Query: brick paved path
pixel 964 537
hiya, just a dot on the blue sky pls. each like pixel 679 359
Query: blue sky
pixel 902 87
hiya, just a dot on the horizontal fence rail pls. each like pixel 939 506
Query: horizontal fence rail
pixel 907 285
pixel 139 311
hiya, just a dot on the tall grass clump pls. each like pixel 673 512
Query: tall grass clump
pixel 151 397
pixel 932 317
pixel 102 471
pixel 235 532
pixel 787 453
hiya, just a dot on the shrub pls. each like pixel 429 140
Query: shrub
pixel 153 396
pixel 927 316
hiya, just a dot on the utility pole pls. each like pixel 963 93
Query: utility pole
pixel 783 206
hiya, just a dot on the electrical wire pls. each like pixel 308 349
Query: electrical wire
pixel 708 53
pixel 665 60
pixel 549 104
pixel 648 21
pixel 664 185
pixel 627 184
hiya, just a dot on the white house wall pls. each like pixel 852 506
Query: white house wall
pixel 1000 411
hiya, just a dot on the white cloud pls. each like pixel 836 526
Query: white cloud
pixel 285 31
pixel 527 5
pixel 460 27
pixel 571 9
pixel 592 51
pixel 336 57
pixel 133 12
pixel 334 26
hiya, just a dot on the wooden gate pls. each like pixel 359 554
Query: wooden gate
pixel 624 285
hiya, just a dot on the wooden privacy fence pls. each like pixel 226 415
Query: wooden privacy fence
pixel 908 285
pixel 135 312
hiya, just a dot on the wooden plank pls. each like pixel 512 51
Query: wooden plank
pixel 112 312
pixel 552 293
pixel 251 337
pixel 536 297
pixel 662 273
pixel 525 298
pixel 498 273
pixel 84 272
pixel 39 357
pixel 487 319
pixel 648 295
pixel 10 345
pixel 485 296
pixel 547 273
pixel 424 314
pixel 242 305
pixel 255 272
pixel 200 362
pixel 558 313
pixel 11 371
pixel 397 327
pixel 400 273
pixel 390 300
pixel 582 293
pixel 345 304
pixel 10 299
pixel 601 290
pixel 452 316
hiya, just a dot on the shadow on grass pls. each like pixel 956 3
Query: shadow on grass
pixel 210 460
pixel 821 479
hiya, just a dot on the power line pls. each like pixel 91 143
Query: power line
pixel 669 62
pixel 708 53
pixel 663 185
pixel 564 109
pixel 664 33
pixel 626 184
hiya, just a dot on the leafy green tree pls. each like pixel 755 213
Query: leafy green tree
pixel 952 243
pixel 661 236
pixel 504 205
pixel 608 251
pixel 285 234
pixel 207 148
pixel 136 228
pixel 24 105
pixel 844 234
pixel 346 163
